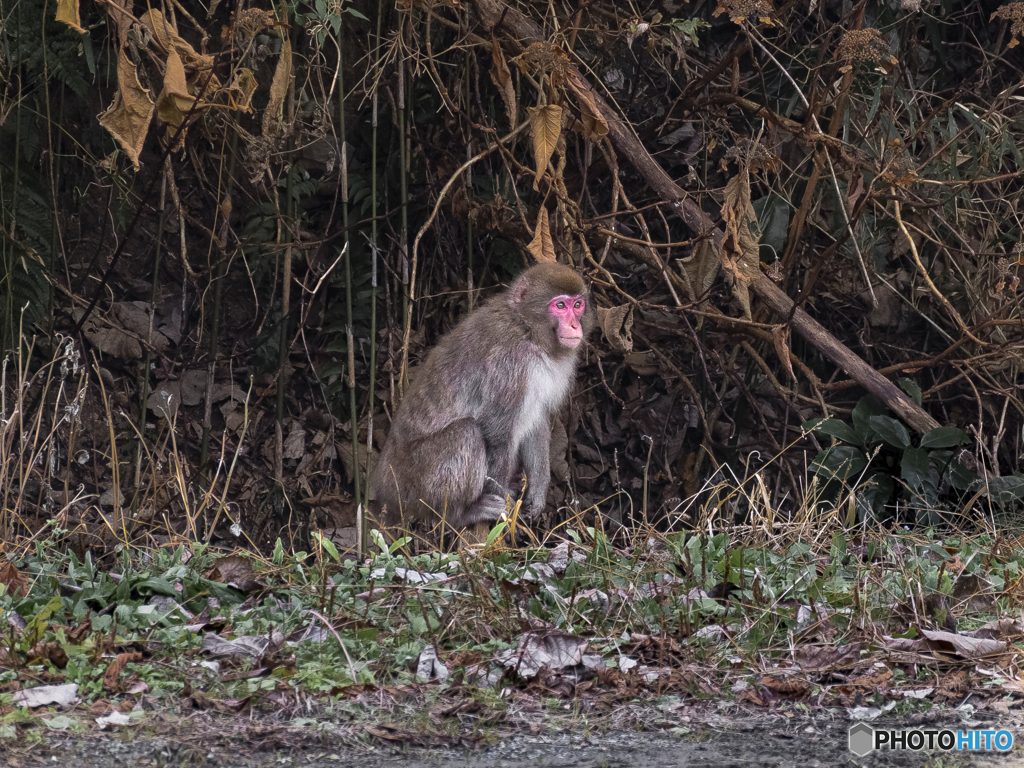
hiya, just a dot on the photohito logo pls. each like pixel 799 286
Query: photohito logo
pixel 864 738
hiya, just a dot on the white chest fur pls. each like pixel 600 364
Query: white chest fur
pixel 547 387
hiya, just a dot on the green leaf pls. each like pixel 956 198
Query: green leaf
pixel 328 546
pixel 914 469
pixel 397 544
pixel 378 540
pixel 496 533
pixel 911 388
pixel 873 495
pixel 867 406
pixel 160 586
pixel 1005 490
pixel 843 462
pixel 834 428
pixel 943 437
pixel 890 430
pixel 278 555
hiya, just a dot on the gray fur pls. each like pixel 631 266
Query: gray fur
pixel 477 412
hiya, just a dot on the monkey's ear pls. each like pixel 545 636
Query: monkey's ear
pixel 518 290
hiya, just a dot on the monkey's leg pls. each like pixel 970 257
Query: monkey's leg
pixel 535 456
pixel 459 486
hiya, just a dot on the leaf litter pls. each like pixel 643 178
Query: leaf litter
pixel 428 649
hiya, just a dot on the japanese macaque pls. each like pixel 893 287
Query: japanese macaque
pixel 476 415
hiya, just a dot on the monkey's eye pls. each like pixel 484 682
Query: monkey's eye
pixel 578 305
pixel 560 305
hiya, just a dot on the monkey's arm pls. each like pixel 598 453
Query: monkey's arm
pixel 536 461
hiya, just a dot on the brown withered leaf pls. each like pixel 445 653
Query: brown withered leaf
pixel 952 687
pixel 128 117
pixel 243 86
pixel 174 101
pixel 111 677
pixel 273 114
pixel 67 13
pixel 110 339
pixel 740 259
pixel 166 36
pixel 14 580
pixel 699 273
pixel 545 127
pixel 542 246
pixel 502 78
pixel 49 651
pixel 236 571
pixel 617 326
pixel 790 686
pixel 962 645
pixel 595 127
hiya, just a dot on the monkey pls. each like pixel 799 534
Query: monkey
pixel 477 411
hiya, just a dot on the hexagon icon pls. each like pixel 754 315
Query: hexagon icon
pixel 862 739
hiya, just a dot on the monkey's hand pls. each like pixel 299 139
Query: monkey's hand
pixel 534 501
pixel 488 508
pixel 493 488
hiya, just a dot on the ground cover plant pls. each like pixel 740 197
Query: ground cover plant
pixel 899 624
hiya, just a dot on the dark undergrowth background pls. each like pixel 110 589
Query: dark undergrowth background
pixel 228 235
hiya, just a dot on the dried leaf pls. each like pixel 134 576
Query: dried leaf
pixel 740 258
pixel 617 326
pixel 274 111
pixel 545 126
pixel 242 87
pixel 13 579
pixel 67 13
pixel 111 682
pixel 542 247
pixel 502 78
pixel 967 647
pixel 595 127
pixel 174 101
pixel 295 443
pixel 700 271
pixel 110 339
pixel 166 36
pixel 552 650
pixel 128 117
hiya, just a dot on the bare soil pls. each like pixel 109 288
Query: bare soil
pixel 243 742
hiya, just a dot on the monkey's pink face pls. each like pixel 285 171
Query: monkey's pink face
pixel 568 310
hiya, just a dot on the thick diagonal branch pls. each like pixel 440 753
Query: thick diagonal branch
pixel 520 30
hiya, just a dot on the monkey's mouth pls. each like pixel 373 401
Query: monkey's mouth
pixel 571 341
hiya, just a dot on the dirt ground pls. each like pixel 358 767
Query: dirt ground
pixel 720 742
